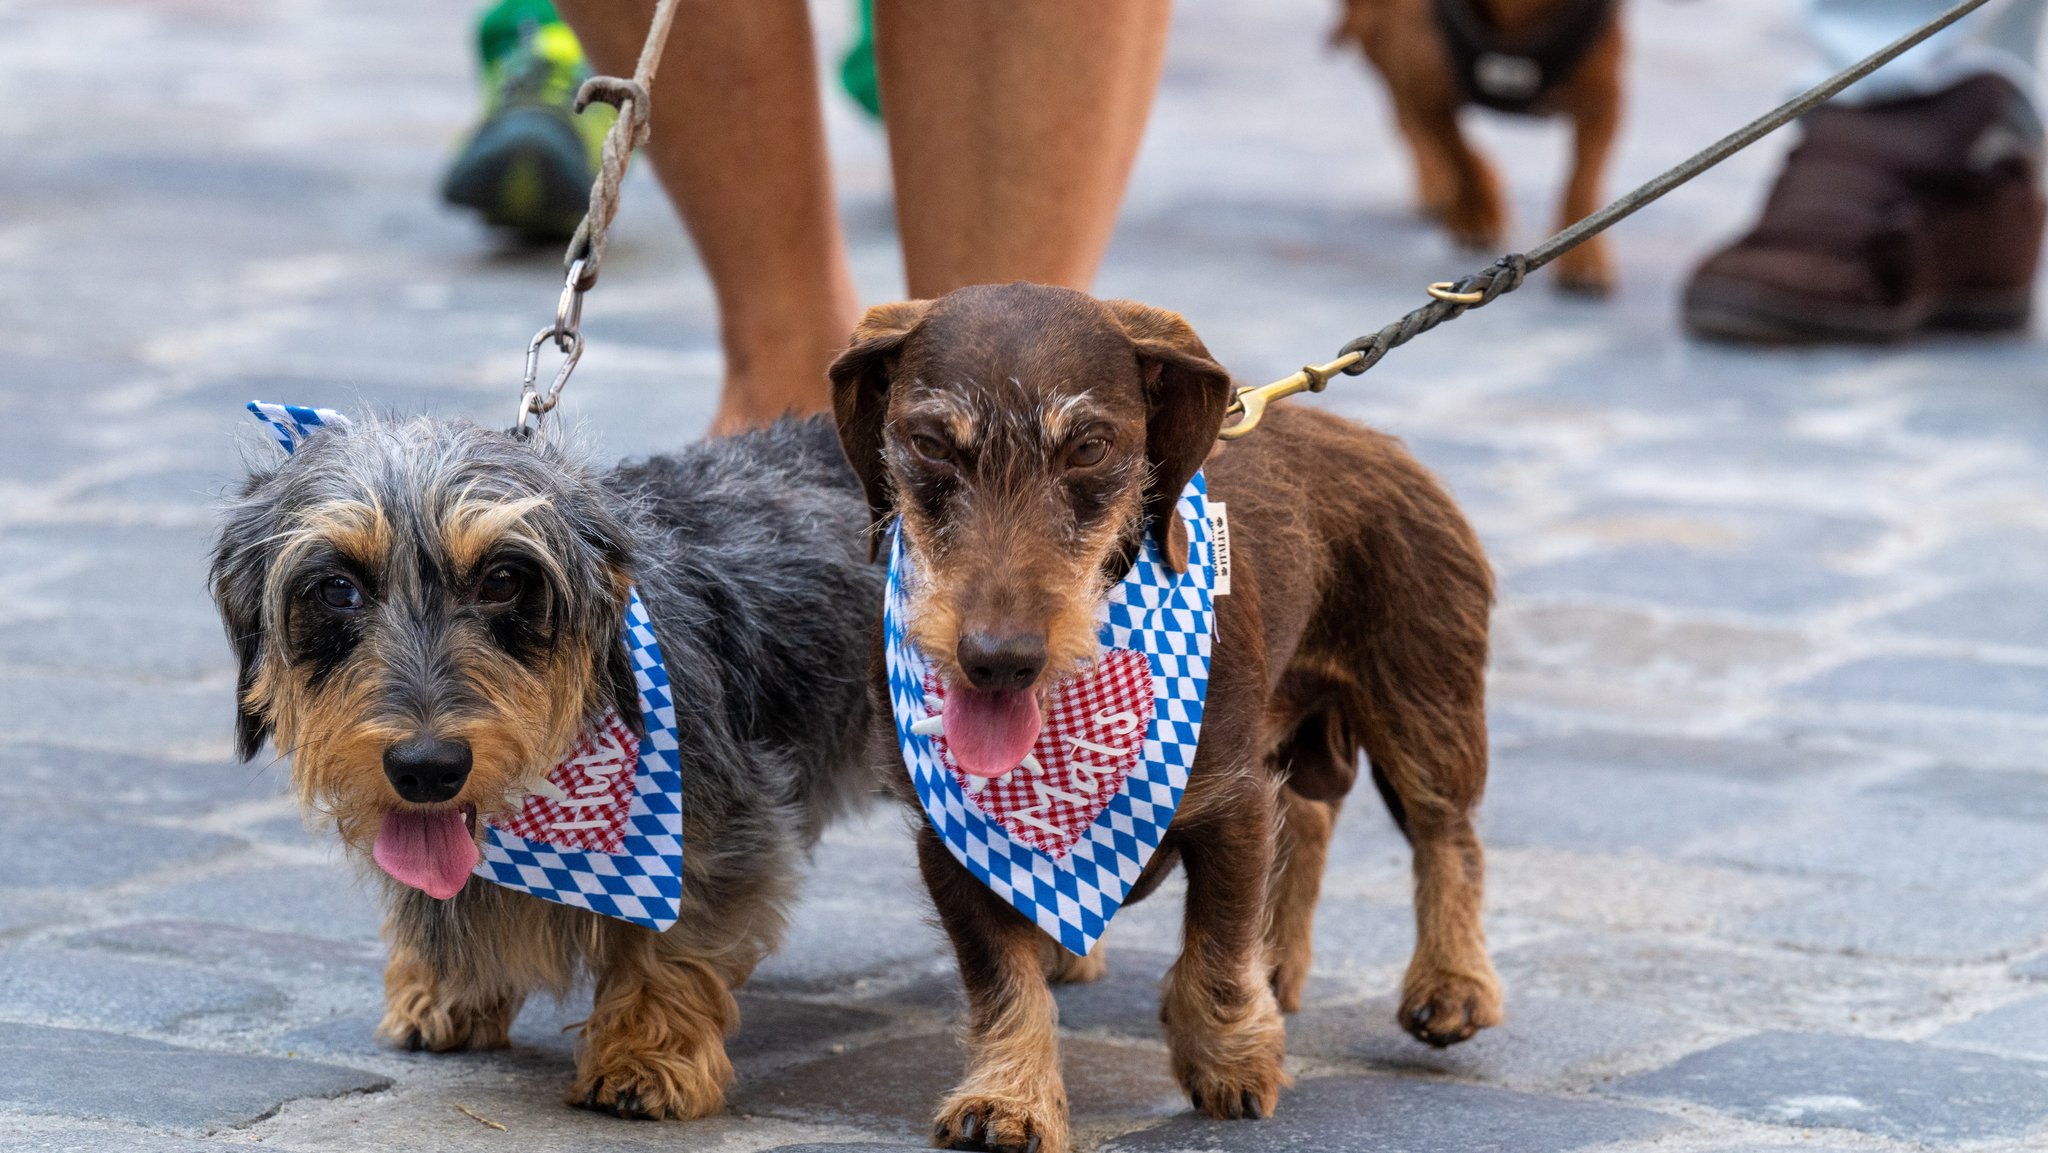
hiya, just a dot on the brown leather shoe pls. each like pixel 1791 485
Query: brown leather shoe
pixel 1888 219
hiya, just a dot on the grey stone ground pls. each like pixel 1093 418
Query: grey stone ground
pixel 1769 822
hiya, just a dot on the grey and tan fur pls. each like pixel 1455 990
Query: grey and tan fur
pixel 747 553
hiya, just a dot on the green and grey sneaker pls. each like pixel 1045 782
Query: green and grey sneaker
pixel 528 166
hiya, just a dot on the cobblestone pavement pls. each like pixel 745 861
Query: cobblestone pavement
pixel 1769 823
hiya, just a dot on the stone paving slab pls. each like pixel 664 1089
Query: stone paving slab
pixel 79 1138
pixel 1768 654
pixel 105 1075
pixel 37 852
pixel 1378 1114
pixel 62 985
pixel 1545 1042
pixel 329 899
pixel 2020 1028
pixel 120 783
pixel 894 1086
pixel 1882 919
pixel 1889 1088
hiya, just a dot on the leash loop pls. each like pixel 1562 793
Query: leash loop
pixel 1449 300
pixel 585 255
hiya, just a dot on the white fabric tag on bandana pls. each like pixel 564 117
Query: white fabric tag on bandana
pixel 604 832
pixel 1063 836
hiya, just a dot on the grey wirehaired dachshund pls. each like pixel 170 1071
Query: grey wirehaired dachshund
pixel 427 613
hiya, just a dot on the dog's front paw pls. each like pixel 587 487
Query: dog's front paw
pixel 416 1022
pixel 653 1087
pixel 1230 1065
pixel 1443 1009
pixel 1001 1125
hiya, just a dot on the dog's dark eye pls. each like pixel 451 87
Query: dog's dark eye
pixel 1088 453
pixel 931 448
pixel 339 593
pixel 500 585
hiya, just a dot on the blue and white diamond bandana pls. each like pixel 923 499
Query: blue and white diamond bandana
pixel 1043 837
pixel 568 844
pixel 291 424
pixel 604 831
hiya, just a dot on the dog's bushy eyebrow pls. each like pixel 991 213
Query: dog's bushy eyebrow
pixel 1061 415
pixel 952 408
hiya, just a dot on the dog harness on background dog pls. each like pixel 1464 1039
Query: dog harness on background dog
pixel 1063 836
pixel 1518 75
pixel 604 831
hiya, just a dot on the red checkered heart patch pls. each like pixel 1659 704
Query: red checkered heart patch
pixel 1092 740
pixel 584 802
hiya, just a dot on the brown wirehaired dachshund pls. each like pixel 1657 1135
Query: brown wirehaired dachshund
pixel 1028 436
pixel 1537 57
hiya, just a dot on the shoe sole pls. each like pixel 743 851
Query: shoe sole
pixel 525 170
pixel 1747 314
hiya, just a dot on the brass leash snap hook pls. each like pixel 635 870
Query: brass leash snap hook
pixel 1250 403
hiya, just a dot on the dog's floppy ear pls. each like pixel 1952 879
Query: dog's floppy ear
pixel 1186 395
pixel 238 578
pixel 860 398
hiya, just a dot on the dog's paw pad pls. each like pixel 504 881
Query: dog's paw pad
pixel 1240 1094
pixel 993 1127
pixel 1231 1104
pixel 1448 1010
pixel 646 1097
pixel 624 1104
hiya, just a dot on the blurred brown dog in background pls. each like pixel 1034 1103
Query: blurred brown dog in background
pixel 1533 57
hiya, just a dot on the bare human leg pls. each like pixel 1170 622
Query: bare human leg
pixel 1012 129
pixel 739 143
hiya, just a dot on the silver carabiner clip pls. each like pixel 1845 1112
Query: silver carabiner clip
pixel 532 402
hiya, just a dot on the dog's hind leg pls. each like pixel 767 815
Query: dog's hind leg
pixel 1429 753
pixel 1594 100
pixel 1303 850
pixel 1436 184
pixel 654 1044
pixel 1012 1098
pixel 1224 1034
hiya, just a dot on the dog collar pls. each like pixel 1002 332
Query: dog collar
pixel 604 831
pixel 1063 836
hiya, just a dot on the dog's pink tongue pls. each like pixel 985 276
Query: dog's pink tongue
pixel 432 852
pixel 990 733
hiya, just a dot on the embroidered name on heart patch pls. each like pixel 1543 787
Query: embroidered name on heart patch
pixel 584 801
pixel 1093 737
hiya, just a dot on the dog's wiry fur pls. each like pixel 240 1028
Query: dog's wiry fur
pixel 746 553
pixel 1405 44
pixel 1356 624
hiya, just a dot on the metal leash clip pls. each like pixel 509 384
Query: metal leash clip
pixel 1250 403
pixel 567 336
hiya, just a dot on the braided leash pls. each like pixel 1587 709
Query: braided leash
pixel 1450 300
pixel 632 129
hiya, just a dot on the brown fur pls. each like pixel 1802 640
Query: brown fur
pixel 1357 623
pixel 1403 41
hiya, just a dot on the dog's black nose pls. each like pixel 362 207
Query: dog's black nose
pixel 1001 664
pixel 427 770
